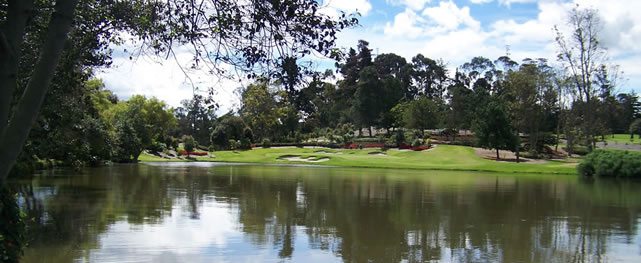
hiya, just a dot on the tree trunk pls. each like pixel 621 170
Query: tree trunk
pixel 10 51
pixel 135 157
pixel 518 147
pixel 497 154
pixel 558 137
pixel 26 110
pixel 370 131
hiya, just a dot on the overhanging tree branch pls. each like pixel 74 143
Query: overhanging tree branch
pixel 11 36
pixel 31 100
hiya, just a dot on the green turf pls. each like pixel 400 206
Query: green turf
pixel 443 157
pixel 622 138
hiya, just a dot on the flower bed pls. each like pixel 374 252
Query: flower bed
pixel 185 153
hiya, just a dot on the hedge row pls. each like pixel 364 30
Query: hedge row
pixel 604 163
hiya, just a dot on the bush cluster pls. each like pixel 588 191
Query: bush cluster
pixel 604 163
pixel 13 237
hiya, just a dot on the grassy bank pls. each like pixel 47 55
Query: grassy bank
pixel 443 157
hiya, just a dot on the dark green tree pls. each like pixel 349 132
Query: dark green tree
pixel 421 114
pixel 229 127
pixel 429 77
pixel 189 143
pixel 368 98
pixel 493 128
pixel 196 117
pixel 635 128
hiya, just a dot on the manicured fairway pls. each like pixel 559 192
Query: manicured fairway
pixel 622 138
pixel 443 157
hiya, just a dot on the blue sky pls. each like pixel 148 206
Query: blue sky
pixel 452 30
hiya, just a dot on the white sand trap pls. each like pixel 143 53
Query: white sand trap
pixel 310 159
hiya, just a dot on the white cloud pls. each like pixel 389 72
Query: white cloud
pixel 480 2
pixel 413 4
pixel 503 2
pixel 440 19
pixel 449 16
pixel 165 80
pixel 405 24
pixel 510 2
pixel 459 46
pixel 537 31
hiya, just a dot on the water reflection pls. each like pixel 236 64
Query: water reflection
pixel 184 213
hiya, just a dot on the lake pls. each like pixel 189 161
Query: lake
pixel 207 212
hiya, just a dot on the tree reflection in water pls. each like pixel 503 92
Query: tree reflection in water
pixel 354 215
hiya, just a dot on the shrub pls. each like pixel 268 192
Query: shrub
pixel 400 137
pixel 604 163
pixel 157 147
pixel 248 134
pixel 266 143
pixel 245 144
pixel 233 144
pixel 417 143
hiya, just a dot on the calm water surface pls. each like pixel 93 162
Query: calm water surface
pixel 246 213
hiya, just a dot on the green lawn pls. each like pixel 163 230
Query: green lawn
pixel 622 138
pixel 443 157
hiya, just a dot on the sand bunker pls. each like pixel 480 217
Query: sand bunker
pixel 377 153
pixel 298 158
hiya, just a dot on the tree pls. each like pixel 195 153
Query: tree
pixel 129 144
pixel 583 54
pixel 317 101
pixel 259 109
pixel 367 99
pixel 394 78
pixel 70 127
pixel 493 129
pixel 351 70
pixel 189 143
pixel 229 127
pixel 478 74
pixel 421 114
pixel 139 122
pixel 461 107
pixel 196 117
pixel 629 109
pixel 429 77
pixel 531 99
pixel 635 127
pixel 245 35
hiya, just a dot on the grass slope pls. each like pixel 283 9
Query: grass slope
pixel 443 157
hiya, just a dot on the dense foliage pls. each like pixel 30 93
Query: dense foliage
pixel 12 232
pixel 603 163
